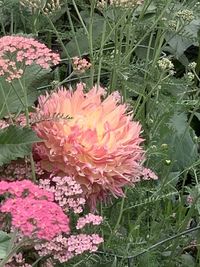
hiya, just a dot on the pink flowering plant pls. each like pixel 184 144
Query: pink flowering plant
pixel 99 133
pixel 79 149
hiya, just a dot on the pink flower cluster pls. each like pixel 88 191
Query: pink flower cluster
pixel 33 211
pixel 3 124
pixel 149 174
pixel 18 260
pixel 67 192
pixel 18 170
pixel 40 218
pixel 80 64
pixel 25 188
pixel 64 248
pixel 87 219
pixel 17 52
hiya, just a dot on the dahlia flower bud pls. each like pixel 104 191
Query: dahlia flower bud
pixel 99 146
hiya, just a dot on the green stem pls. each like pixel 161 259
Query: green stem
pixel 119 217
pixel 72 27
pixel 58 36
pixel 101 53
pixel 28 125
pixel 5 103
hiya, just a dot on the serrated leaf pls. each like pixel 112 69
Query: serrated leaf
pixel 15 142
pixel 4 244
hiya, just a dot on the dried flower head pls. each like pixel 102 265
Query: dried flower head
pixel 17 52
pixel 120 3
pixel 165 64
pixel 186 15
pixel 99 146
pixel 48 6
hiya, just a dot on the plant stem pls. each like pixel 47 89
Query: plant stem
pixel 28 125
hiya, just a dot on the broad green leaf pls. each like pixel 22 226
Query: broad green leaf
pixel 183 150
pixel 82 38
pixel 4 244
pixel 179 43
pixel 33 77
pixel 15 143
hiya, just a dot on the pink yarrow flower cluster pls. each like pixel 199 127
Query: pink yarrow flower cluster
pixel 80 64
pixel 33 211
pixel 65 248
pixel 88 219
pixel 17 260
pixel 68 193
pixel 100 146
pixel 17 52
pixel 18 170
pixel 25 188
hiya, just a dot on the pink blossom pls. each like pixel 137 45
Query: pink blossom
pixel 40 218
pixel 190 199
pixel 25 188
pixel 19 169
pixel 149 174
pixel 87 219
pixel 23 51
pixel 17 260
pixel 32 210
pixel 3 124
pixel 80 64
pixel 67 192
pixel 64 248
pixel 99 146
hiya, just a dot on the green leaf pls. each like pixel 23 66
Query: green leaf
pixel 4 244
pixel 178 44
pixel 183 150
pixel 15 143
pixel 82 38
pixel 32 78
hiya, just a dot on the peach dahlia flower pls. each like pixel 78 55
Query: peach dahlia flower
pixel 99 145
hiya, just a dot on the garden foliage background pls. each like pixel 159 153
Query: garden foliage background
pixel 149 51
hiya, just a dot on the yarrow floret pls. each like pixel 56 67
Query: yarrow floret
pixel 17 52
